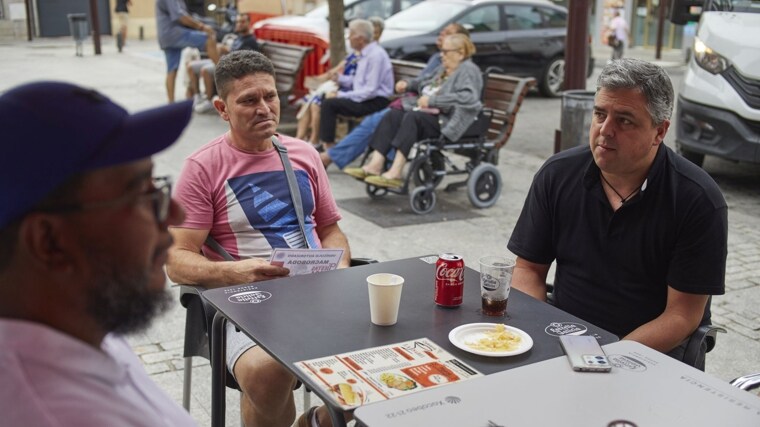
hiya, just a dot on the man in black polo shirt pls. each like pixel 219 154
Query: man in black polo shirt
pixel 639 234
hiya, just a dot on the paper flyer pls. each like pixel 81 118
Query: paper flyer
pixel 380 373
pixel 306 261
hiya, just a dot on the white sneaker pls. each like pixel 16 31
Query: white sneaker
pixel 204 107
pixel 197 99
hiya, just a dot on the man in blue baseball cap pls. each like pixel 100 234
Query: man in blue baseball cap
pixel 83 241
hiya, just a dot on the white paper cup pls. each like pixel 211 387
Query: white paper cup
pixel 384 297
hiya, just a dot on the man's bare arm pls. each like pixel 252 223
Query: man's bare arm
pixel 681 317
pixel 187 265
pixel 530 278
pixel 332 237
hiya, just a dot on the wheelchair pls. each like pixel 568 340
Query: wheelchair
pixel 431 164
pixel 502 97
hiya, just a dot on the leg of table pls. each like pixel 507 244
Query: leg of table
pixel 218 374
pixel 337 417
pixel 186 384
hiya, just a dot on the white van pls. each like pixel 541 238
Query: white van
pixel 718 107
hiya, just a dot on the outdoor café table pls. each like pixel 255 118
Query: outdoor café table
pixel 323 314
pixel 644 388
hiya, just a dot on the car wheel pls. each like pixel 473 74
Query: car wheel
pixel 694 157
pixel 553 78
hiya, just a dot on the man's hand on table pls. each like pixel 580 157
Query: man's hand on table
pixel 254 270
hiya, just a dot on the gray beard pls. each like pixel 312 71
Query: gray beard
pixel 123 303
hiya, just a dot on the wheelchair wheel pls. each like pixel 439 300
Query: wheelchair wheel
pixel 375 192
pixel 423 170
pixel 422 200
pixel 484 185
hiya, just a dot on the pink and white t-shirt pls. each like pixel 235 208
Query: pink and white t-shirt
pixel 244 200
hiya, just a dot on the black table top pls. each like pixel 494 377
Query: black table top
pixel 324 314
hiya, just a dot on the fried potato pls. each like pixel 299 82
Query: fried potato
pixel 498 339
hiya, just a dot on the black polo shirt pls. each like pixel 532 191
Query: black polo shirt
pixel 613 268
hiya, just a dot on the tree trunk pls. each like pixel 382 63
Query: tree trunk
pixel 337 28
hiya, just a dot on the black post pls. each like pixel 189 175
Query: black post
pixel 576 45
pixel 29 17
pixel 95 25
pixel 660 28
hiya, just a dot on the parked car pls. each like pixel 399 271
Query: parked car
pixel 316 19
pixel 522 37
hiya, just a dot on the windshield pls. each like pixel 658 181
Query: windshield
pixel 424 16
pixel 743 6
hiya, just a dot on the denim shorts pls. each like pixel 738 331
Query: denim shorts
pixel 190 38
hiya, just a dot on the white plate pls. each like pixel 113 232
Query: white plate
pixel 472 332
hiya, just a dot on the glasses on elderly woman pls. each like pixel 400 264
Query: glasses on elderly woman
pixel 159 195
pixel 445 51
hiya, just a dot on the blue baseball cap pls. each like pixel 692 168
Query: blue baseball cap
pixel 51 131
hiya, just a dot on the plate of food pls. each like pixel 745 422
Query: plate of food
pixel 397 381
pixel 491 339
pixel 348 395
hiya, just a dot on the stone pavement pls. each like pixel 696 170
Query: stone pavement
pixel 136 80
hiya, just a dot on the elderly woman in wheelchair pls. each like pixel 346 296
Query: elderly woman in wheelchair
pixel 449 101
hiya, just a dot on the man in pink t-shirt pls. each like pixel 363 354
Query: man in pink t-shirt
pixel 235 190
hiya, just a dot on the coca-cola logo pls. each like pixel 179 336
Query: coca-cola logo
pixel 450 274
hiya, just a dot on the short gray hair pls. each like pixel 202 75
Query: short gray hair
pixel 364 28
pixel 650 79
pixel 238 64
pixel 377 22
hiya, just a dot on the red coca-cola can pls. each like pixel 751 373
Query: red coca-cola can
pixel 449 280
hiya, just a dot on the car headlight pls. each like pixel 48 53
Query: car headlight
pixel 708 59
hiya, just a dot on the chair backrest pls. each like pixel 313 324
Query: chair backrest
pixel 406 70
pixel 504 95
pixel 288 60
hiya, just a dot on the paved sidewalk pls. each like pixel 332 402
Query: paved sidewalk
pixel 135 79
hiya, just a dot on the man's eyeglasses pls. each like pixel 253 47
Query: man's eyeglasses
pixel 159 195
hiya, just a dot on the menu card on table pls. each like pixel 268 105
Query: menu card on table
pixel 306 261
pixel 380 373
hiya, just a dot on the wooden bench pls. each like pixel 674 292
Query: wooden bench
pixel 406 70
pixel 504 95
pixel 288 62
pixel 402 70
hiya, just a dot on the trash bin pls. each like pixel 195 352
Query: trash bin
pixel 79 29
pixel 577 112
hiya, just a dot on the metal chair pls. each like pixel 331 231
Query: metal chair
pixel 747 382
pixel 198 326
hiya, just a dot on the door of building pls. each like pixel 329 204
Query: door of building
pixel 644 25
pixel 54 23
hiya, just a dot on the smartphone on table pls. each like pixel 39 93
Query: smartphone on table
pixel 584 353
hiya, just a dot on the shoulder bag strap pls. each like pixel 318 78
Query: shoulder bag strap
pixel 295 193
pixel 213 244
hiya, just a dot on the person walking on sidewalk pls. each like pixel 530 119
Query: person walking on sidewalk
pixel 83 241
pixel 178 30
pixel 618 36
pixel 639 233
pixel 122 12
pixel 235 190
